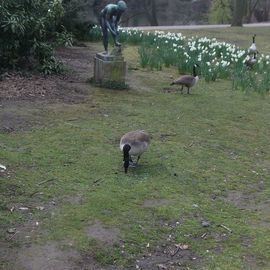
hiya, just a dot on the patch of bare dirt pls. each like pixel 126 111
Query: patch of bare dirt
pixel 74 200
pixel 105 234
pixel 68 88
pixel 79 60
pixel 266 165
pixel 157 202
pixel 10 122
pixel 251 262
pixel 88 263
pixel 248 201
pixel 22 96
pixel 49 257
pixel 168 90
pixel 251 202
pixel 240 199
pixel 168 257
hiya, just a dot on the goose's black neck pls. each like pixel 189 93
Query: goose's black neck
pixel 253 38
pixel 126 150
pixel 194 71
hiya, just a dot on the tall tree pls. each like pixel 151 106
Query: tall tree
pixel 221 11
pixel 251 6
pixel 238 12
pixel 261 12
pixel 150 11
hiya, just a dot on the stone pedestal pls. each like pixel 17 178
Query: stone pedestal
pixel 109 69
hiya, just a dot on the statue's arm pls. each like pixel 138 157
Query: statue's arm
pixel 110 24
pixel 117 22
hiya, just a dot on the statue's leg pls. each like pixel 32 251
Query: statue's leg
pixel 105 39
pixel 104 34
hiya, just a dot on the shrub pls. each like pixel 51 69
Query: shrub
pixel 28 32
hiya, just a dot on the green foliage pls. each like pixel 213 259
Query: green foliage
pixel 115 85
pixel 64 38
pixel 256 79
pixel 149 57
pixel 221 11
pixel 72 19
pixel 52 66
pixel 28 29
pixel 95 33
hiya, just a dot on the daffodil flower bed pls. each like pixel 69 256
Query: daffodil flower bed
pixel 217 60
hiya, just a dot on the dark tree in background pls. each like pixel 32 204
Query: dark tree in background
pixel 262 10
pixel 238 12
pixel 80 13
pixel 150 11
pixel 221 11
pixel 251 6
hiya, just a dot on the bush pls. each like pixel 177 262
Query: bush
pixel 28 32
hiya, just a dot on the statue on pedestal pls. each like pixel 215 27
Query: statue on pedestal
pixel 109 19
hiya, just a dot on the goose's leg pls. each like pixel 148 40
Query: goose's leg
pixel 131 163
pixel 182 89
pixel 138 160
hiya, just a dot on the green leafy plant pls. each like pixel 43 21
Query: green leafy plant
pixel 28 30
pixel 64 38
pixel 52 66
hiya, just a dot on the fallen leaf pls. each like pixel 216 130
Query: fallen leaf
pixel 182 246
pixel 23 208
pixel 11 230
pixel 3 167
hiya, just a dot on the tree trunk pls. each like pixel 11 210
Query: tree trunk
pixel 251 6
pixel 238 12
pixel 150 10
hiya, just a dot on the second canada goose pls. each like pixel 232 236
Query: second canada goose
pixel 187 80
pixel 133 143
pixel 253 48
pixel 251 61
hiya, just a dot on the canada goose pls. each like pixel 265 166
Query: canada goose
pixel 251 61
pixel 133 143
pixel 253 48
pixel 187 80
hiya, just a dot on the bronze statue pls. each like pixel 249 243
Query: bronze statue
pixel 109 19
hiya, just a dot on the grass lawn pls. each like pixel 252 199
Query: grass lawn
pixel 205 181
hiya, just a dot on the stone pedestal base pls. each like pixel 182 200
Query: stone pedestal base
pixel 109 69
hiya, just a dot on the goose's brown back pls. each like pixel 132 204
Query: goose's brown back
pixel 186 80
pixel 139 141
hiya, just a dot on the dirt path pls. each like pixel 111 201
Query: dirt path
pixel 206 26
pixel 22 96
